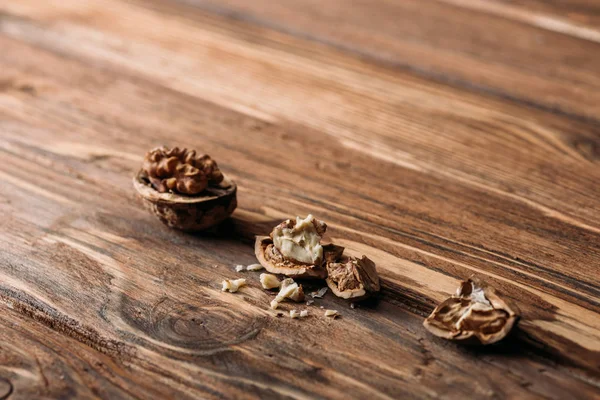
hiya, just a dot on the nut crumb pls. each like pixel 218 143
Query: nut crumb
pixel 239 268
pixel 289 290
pixel 309 302
pixel 254 267
pixel 353 278
pixel 321 307
pixel 269 281
pixel 233 285
pixel 331 313
pixel 352 306
pixel 295 314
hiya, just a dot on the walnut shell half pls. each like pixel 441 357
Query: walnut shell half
pixel 189 213
pixel 270 258
pixel 353 278
pixel 476 314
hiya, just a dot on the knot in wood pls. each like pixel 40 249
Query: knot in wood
pixel 6 388
pixel 208 328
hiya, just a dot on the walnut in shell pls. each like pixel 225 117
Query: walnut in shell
pixel 476 314
pixel 353 278
pixel 183 190
pixel 294 249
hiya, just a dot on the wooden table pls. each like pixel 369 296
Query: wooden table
pixel 441 138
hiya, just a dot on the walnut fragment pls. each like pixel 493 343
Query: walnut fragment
pixel 233 285
pixel 294 249
pixel 184 190
pixel 180 170
pixel 476 314
pixel 269 281
pixel 353 278
pixel 298 314
pixel 289 290
pixel 254 267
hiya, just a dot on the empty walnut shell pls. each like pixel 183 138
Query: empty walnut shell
pixel 189 213
pixel 476 314
pixel 270 258
pixel 353 278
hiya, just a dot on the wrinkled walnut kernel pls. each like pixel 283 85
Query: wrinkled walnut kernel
pixel 180 170
pixel 476 313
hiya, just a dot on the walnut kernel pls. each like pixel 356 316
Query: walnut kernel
pixel 294 249
pixel 300 240
pixel 269 281
pixel 180 170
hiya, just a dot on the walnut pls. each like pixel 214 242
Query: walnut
pixel 294 249
pixel 331 313
pixel 233 285
pixel 180 170
pixel 183 190
pixel 353 278
pixel 289 290
pixel 476 314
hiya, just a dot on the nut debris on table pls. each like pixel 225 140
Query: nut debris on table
pixel 294 249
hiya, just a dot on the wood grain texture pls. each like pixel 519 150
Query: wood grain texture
pixel 440 138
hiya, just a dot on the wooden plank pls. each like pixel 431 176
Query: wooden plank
pixel 479 185
pixel 541 56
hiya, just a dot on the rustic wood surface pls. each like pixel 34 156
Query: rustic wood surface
pixel 441 138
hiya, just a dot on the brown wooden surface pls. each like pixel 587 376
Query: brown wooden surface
pixel 441 138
